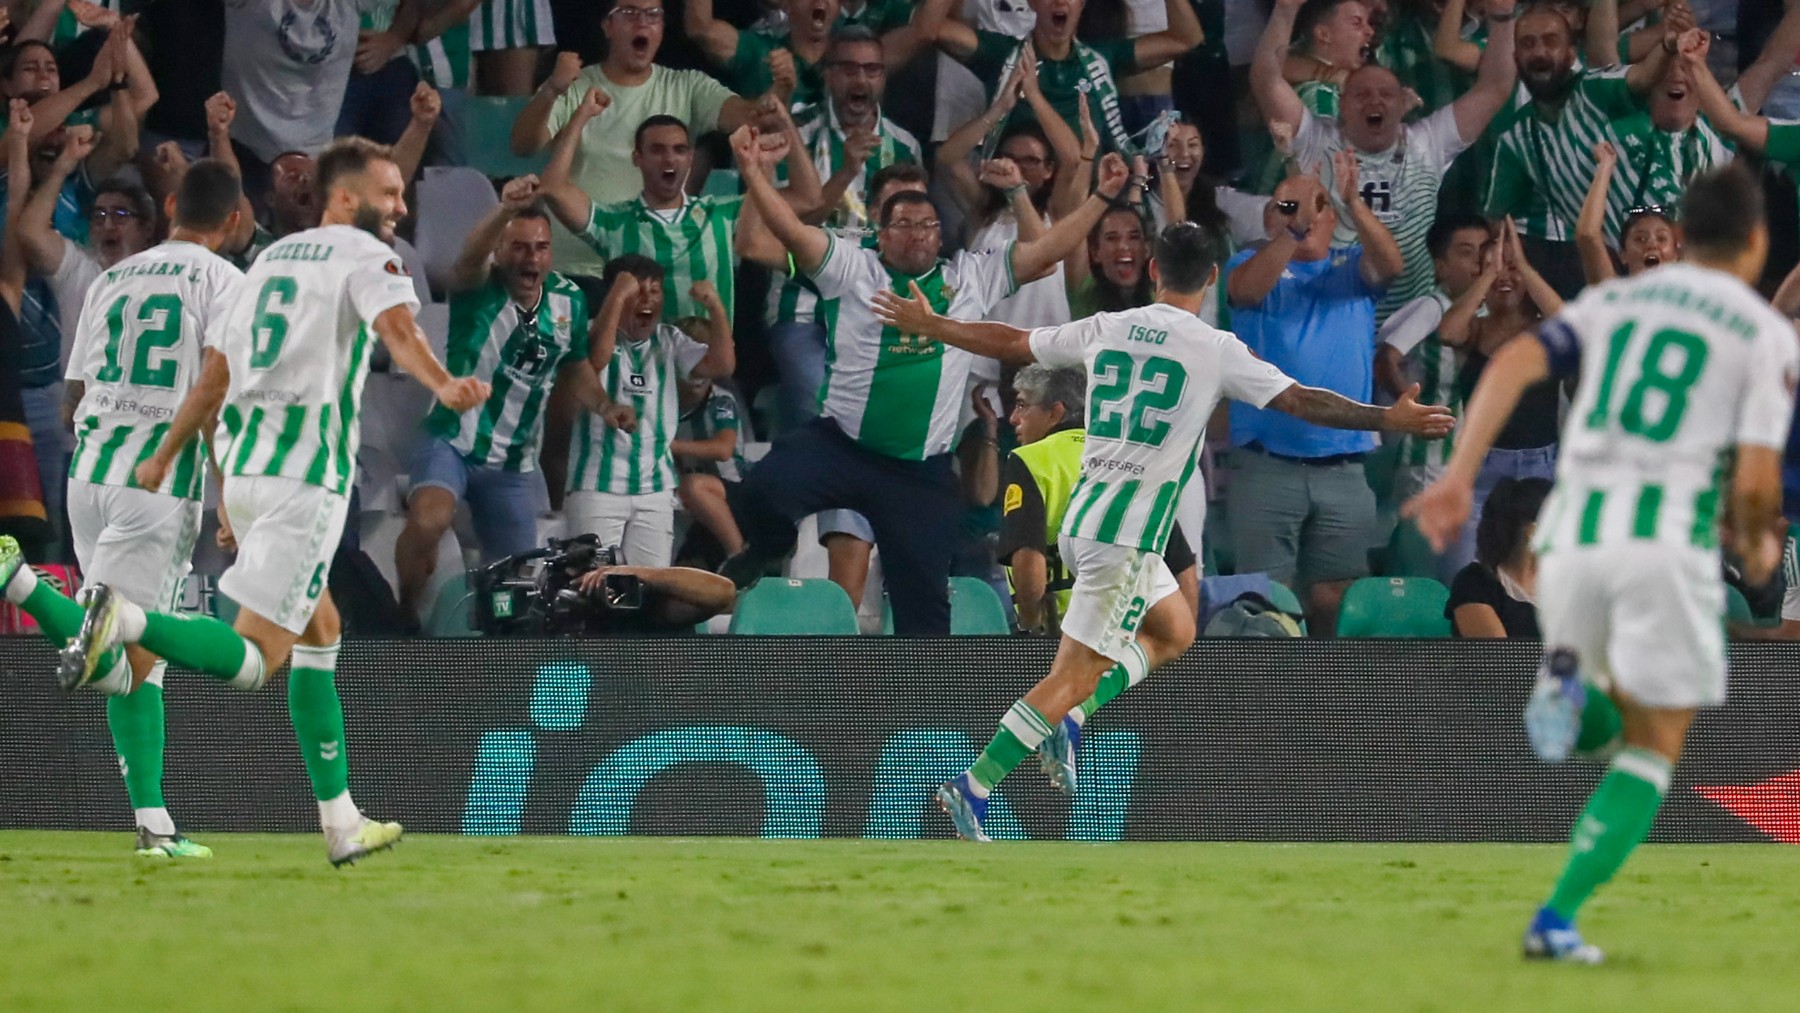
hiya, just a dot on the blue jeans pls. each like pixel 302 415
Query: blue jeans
pixel 799 351
pixel 379 105
pixel 1535 462
pixel 49 442
pixel 503 504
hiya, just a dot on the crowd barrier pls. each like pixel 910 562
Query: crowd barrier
pixel 1239 740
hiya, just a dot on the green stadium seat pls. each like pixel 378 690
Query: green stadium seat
pixel 1737 607
pixel 721 183
pixel 788 606
pixel 1284 598
pixel 450 610
pixel 976 609
pixel 487 126
pixel 1394 607
pixel 1409 554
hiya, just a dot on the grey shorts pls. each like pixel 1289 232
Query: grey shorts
pixel 1300 523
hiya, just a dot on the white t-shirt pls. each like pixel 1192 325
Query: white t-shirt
pixel 287 62
pixel 1155 374
pixel 297 335
pixel 70 283
pixel 1678 365
pixel 1040 303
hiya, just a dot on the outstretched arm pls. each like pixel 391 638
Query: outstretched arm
pixel 915 316
pixel 471 267
pixel 1442 509
pixel 531 128
pixel 721 351
pixel 952 157
pixel 1032 260
pixel 42 244
pixel 1277 99
pixel 1448 43
pixel 935 26
pixel 1647 73
pixel 1495 77
pixel 409 150
pixel 1590 228
pixel 399 330
pixel 568 202
pixel 1776 59
pixel 807 243
pixel 1183 34
pixel 718 39
pixel 17 145
pixel 1322 407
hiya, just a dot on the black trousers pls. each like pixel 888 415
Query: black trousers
pixel 912 505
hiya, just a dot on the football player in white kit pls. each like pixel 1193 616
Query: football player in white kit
pixel 1155 374
pixel 1680 367
pixel 136 354
pixel 284 372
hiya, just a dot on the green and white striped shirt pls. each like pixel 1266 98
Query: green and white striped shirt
pixel 1554 158
pixel 1655 165
pixel 824 138
pixel 137 350
pixel 518 350
pixel 444 62
pixel 692 243
pixel 900 394
pixel 1678 365
pixel 1155 374
pixel 1400 185
pixel 297 336
pixel 645 375
pixel 1430 363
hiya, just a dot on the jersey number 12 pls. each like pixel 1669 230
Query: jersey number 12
pixel 158 319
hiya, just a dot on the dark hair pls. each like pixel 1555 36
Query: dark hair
pixel 652 122
pixel 346 156
pixel 140 200
pixel 635 264
pixel 1442 231
pixel 905 197
pixel 993 200
pixel 851 35
pixel 1510 510
pixel 1103 19
pixel 10 56
pixel 1311 14
pixel 1641 215
pixel 1720 211
pixel 1107 293
pixel 536 209
pixel 904 172
pixel 208 194
pixel 1186 253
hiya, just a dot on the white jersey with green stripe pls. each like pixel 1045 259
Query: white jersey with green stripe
pixel 1155 374
pixel 900 394
pixel 444 62
pixel 1554 159
pixel 692 243
pixel 645 375
pixel 794 302
pixel 1433 365
pixel 137 350
pixel 297 336
pixel 1400 185
pixel 1678 366
pixel 518 350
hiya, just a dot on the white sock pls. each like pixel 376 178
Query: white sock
pixel 131 619
pixel 21 585
pixel 339 813
pixel 157 821
pixel 1077 716
pixel 252 673
pixel 116 682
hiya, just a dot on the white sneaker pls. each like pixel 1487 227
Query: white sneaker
pixel 370 836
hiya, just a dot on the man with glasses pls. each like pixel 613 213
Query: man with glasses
pixel 636 88
pixel 891 401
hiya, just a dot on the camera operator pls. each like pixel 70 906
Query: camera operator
pixel 648 600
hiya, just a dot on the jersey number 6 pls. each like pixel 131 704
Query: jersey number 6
pixel 269 328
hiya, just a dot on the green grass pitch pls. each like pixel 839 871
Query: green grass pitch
pixel 446 923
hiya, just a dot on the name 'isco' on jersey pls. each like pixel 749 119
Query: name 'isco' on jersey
pixel 645 375
pixel 137 350
pixel 1155 374
pixel 297 338
pixel 1678 365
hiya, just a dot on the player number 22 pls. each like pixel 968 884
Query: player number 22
pixel 269 328
pixel 1160 385
pixel 1672 363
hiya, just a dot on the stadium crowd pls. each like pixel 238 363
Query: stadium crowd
pixel 674 312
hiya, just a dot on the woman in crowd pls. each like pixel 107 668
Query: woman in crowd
pixel 1648 238
pixel 1186 192
pixel 1492 597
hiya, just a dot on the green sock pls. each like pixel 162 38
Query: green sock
pixel 205 645
pixel 136 720
pixel 1022 730
pixel 1117 679
pixel 1601 723
pixel 56 614
pixel 318 719
pixel 1617 817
